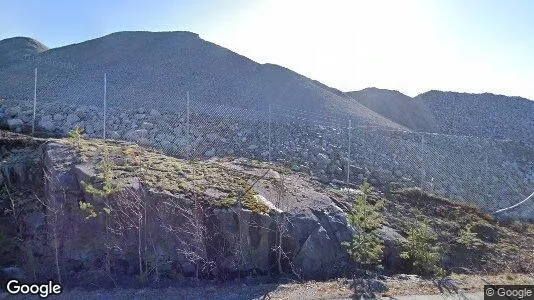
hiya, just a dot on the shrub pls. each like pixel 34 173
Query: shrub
pixel 422 251
pixel 88 210
pixel 76 133
pixel 468 238
pixel 366 247
pixel 108 187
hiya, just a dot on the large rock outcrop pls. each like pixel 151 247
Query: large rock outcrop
pixel 147 232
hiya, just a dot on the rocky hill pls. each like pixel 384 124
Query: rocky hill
pixel 19 48
pixel 159 68
pixel 397 107
pixel 485 115
pixel 480 115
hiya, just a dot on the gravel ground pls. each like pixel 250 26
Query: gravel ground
pixel 398 287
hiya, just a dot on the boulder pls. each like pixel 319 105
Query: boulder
pixel 212 137
pixel 147 125
pixel 47 123
pixel 89 129
pixel 14 111
pixel 138 135
pixel 393 246
pixel 209 153
pixel 72 119
pixel 15 124
pixel 323 159
pixel 59 117
pixel 317 255
pixel 114 135
pixel 154 113
pixel 81 113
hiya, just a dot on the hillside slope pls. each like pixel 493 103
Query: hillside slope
pixel 485 115
pixel 397 107
pixel 481 115
pixel 18 48
pixel 159 68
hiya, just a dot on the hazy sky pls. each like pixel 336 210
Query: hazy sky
pixel 411 46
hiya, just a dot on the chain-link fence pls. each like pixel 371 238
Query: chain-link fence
pixel 490 173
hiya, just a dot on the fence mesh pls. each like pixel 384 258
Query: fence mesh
pixel 490 173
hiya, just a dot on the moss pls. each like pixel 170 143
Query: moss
pixel 252 203
pixel 227 202
pixel 128 161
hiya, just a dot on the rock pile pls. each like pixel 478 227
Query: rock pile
pixel 488 173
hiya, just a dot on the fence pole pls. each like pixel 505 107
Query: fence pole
pixel 348 151
pixel 105 103
pixel 188 128
pixel 34 99
pixel 422 161
pixel 270 145
pixel 487 170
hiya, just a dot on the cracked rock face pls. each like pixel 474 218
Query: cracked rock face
pixel 183 233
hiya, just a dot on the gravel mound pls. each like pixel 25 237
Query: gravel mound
pixel 158 69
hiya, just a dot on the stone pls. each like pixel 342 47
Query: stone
pixel 317 254
pixel 26 119
pixel 114 135
pixel 147 125
pixel 393 246
pixel 212 137
pixel 14 111
pixel 89 129
pixel 72 118
pixel 47 123
pixel 81 113
pixel 138 135
pixel 323 159
pixel 59 117
pixel 209 153
pixel 154 113
pixel 15 124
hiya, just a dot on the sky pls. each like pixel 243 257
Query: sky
pixel 412 46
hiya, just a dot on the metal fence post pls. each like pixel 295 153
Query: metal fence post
pixel 422 161
pixel 348 150
pixel 105 103
pixel 188 128
pixel 270 145
pixel 34 99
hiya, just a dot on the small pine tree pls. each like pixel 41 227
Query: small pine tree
pixel 468 238
pixel 108 187
pixel 422 250
pixel 76 135
pixel 366 247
